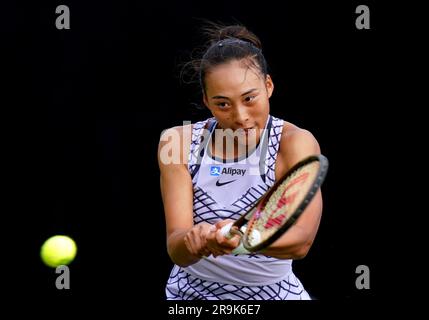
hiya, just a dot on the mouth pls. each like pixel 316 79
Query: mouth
pixel 245 131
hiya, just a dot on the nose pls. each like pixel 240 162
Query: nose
pixel 241 115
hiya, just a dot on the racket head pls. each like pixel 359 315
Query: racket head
pixel 286 200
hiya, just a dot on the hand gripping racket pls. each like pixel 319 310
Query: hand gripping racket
pixel 276 211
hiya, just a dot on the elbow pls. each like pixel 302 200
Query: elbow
pixel 179 258
pixel 174 257
pixel 300 254
pixel 180 263
pixel 296 252
pixel 303 246
pixel 302 251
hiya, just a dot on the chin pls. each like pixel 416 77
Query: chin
pixel 248 139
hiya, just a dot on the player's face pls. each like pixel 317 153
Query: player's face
pixel 238 97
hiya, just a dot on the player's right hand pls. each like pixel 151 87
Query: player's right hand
pixel 196 240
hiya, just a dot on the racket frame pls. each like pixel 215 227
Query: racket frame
pixel 316 184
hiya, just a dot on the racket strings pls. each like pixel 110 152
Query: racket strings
pixel 281 205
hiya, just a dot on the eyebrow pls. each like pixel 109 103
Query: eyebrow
pixel 247 92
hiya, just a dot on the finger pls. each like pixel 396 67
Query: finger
pixel 189 245
pixel 205 252
pixel 222 223
pixel 235 240
pixel 228 243
pixel 194 242
pixel 203 233
pixel 214 248
pixel 211 234
pixel 218 253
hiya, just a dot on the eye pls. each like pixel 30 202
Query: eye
pixel 222 105
pixel 249 98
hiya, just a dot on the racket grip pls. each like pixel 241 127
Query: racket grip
pixel 225 231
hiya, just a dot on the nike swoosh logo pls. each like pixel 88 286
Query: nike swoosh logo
pixel 219 184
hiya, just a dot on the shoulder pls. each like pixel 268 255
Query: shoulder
pixel 178 131
pixel 296 139
pixel 174 145
pixel 295 144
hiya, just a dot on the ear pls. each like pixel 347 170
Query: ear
pixel 269 84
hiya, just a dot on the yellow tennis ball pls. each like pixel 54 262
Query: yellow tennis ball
pixel 58 250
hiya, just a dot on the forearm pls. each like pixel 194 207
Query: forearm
pixel 294 244
pixel 297 241
pixel 178 251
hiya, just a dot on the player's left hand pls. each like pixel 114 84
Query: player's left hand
pixel 216 241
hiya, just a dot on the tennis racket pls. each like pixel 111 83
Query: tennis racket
pixel 280 207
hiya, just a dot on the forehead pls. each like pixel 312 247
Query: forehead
pixel 234 77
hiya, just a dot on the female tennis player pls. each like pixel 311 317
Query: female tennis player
pixel 220 167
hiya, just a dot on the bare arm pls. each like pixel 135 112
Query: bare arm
pixel 186 242
pixel 297 144
pixel 176 191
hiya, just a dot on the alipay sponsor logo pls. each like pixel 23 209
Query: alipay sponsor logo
pixel 215 171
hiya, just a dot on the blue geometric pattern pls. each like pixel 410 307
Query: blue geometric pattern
pixel 206 209
pixel 183 286
pixel 273 148
pixel 195 154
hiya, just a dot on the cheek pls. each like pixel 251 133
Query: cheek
pixel 261 109
pixel 225 119
pixel 261 113
pixel 221 116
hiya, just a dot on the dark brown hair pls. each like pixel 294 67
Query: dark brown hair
pixel 224 44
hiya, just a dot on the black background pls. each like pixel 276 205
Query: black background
pixel 88 106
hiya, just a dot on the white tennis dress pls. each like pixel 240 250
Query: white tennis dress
pixel 227 189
